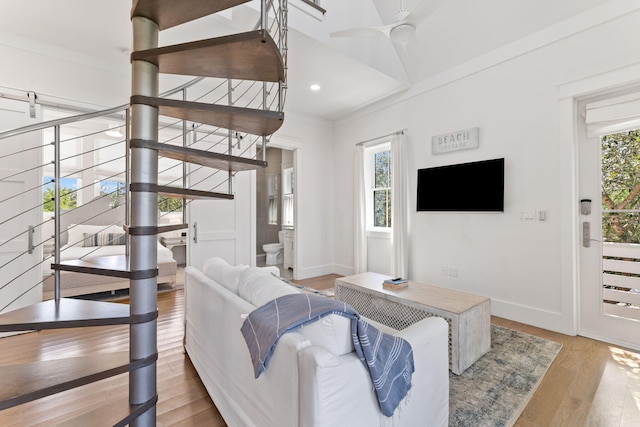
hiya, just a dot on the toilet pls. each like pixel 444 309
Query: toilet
pixel 275 251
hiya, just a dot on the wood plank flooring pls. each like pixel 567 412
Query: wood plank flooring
pixel 589 384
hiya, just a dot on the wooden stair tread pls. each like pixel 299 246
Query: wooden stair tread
pixel 192 194
pixel 112 265
pixel 200 157
pixel 172 227
pixel 153 230
pixel 169 13
pixel 245 56
pixel 30 381
pixel 249 120
pixel 67 313
pixel 178 192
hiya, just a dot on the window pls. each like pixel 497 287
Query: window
pixel 378 160
pixel 113 189
pixel 287 197
pixel 68 193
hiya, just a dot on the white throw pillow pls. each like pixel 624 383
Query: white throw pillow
pixel 76 232
pixel 262 287
pixel 250 271
pixel 104 239
pixel 223 273
pixel 333 332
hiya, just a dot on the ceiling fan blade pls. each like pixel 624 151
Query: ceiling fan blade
pixel 416 51
pixel 422 11
pixel 364 32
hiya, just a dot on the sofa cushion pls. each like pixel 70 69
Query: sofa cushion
pixel 258 286
pixel 224 273
pixel 332 332
pixel 248 272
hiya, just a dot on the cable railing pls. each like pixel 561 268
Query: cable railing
pixel 64 179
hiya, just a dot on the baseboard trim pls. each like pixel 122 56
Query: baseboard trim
pixel 343 270
pixel 309 272
pixel 545 319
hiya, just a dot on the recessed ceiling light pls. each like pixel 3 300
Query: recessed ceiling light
pixel 314 87
pixel 114 132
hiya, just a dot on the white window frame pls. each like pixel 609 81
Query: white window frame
pixel 369 171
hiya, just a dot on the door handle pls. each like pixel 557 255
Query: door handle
pixel 586 234
pixel 30 239
pixel 195 232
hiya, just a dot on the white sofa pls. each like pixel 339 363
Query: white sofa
pixel 314 377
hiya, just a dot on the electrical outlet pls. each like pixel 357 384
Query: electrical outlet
pixel 443 271
pixel 453 272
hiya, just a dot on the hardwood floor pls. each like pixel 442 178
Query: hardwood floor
pixel 183 400
pixel 590 383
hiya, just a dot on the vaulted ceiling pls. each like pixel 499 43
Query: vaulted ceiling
pixel 353 71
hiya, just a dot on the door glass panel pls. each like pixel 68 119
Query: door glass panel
pixel 621 224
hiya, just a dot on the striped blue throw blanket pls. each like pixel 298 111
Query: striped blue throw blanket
pixel 388 359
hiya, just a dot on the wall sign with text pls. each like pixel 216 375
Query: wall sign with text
pixel 455 141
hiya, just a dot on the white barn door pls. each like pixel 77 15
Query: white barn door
pixel 221 228
pixel 20 208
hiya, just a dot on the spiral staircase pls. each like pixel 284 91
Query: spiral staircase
pixel 252 56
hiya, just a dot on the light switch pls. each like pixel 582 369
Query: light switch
pixel 527 216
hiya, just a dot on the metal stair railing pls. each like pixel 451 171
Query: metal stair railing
pixel 242 93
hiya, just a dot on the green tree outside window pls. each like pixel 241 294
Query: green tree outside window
pixel 621 187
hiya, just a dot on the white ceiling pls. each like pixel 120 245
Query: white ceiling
pixel 353 72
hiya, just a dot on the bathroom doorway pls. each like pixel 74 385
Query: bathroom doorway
pixel 275 211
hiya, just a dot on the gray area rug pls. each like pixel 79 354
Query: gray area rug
pixel 494 390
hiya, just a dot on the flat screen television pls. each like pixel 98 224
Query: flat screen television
pixel 465 187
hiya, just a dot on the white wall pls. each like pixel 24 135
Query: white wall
pixel 314 222
pixel 513 97
pixel 60 74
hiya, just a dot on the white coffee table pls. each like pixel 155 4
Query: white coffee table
pixel 468 315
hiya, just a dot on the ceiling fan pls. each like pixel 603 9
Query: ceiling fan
pixel 403 30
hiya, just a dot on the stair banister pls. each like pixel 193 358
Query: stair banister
pixel 230 132
pixel 86 116
pixel 264 13
pixel 56 210
pixel 184 164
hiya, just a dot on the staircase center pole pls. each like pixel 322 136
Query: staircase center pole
pixel 127 175
pixel 144 213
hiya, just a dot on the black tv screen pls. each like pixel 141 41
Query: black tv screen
pixel 465 187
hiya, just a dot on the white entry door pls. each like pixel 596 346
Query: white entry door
pixel 21 211
pixel 609 244
pixel 220 228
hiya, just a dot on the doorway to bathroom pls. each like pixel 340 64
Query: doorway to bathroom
pixel 275 211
